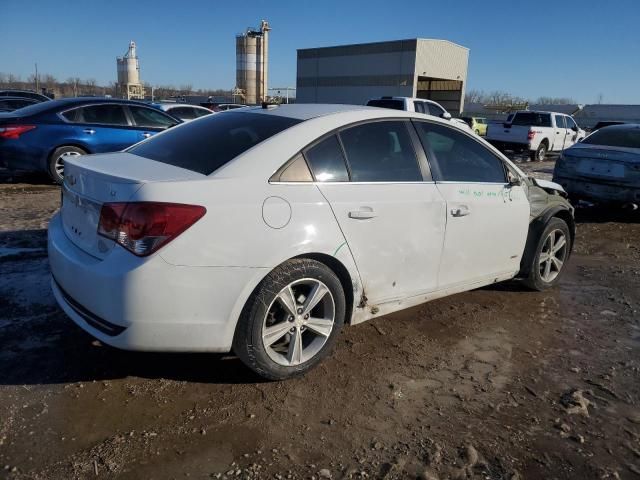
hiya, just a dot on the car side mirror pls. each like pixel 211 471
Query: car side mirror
pixel 514 180
pixel 580 139
pixel 575 129
pixel 446 116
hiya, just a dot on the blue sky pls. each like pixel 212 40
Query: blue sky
pixel 577 49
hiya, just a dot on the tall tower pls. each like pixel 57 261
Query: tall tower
pixel 129 85
pixel 252 63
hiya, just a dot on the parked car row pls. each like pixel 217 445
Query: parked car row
pixel 41 137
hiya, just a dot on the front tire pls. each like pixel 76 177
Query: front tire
pixel 291 321
pixel 57 158
pixel 552 252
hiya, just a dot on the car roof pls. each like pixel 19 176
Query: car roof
pixel 624 126
pixel 413 99
pixel 27 99
pixel 172 104
pixel 307 111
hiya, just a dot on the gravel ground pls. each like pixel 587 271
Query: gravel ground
pixel 498 383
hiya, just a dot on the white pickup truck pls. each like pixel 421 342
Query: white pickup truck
pixel 535 132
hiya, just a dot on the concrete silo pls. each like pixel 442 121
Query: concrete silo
pixel 129 84
pixel 252 55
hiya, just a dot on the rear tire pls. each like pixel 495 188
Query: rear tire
pixel 281 332
pixel 551 255
pixel 56 161
pixel 541 153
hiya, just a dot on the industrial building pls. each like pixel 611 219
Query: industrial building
pixel 129 84
pixel 252 64
pixel 424 68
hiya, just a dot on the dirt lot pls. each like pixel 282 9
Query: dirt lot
pixel 498 383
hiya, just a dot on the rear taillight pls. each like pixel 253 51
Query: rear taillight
pixel 531 134
pixel 13 132
pixel 144 227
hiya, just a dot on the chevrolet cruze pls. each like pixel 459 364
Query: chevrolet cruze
pixel 263 231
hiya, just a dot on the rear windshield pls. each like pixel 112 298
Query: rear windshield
pixel 615 137
pixel 210 142
pixel 533 119
pixel 386 103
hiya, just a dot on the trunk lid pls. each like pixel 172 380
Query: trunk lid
pixel 613 164
pixel 92 180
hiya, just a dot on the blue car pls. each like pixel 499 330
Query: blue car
pixel 39 137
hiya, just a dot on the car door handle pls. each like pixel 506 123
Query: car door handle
pixel 146 134
pixel 90 131
pixel 461 211
pixel 362 214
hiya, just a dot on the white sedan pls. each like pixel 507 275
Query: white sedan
pixel 265 230
pixel 183 111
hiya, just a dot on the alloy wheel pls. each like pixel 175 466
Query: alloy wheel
pixel 59 163
pixel 553 255
pixel 298 322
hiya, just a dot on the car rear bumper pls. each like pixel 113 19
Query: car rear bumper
pixel 147 304
pixel 20 157
pixel 599 191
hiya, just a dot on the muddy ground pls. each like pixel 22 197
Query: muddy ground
pixel 498 383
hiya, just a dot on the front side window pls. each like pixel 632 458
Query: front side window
pixel 208 144
pixel 436 110
pixel 571 123
pixel 327 161
pixel 459 158
pixel 381 152
pixel 560 121
pixel 98 114
pixel 419 107
pixel 150 117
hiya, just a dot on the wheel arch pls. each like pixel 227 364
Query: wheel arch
pixel 535 230
pixel 343 275
pixel 68 144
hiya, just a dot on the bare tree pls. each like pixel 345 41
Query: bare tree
pixel 555 101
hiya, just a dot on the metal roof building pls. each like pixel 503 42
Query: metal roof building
pixel 424 68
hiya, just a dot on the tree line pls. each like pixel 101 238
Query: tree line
pixel 76 87
pixel 499 97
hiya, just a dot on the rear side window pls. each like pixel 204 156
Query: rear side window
pixel 387 103
pixel 208 144
pixel 98 114
pixel 458 157
pixel 327 162
pixel 150 117
pixel 381 152
pixel 183 113
pixel 533 119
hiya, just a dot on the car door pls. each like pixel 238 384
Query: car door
pixel 148 121
pixel 487 217
pixel 391 213
pixel 572 132
pixel 560 132
pixel 102 127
